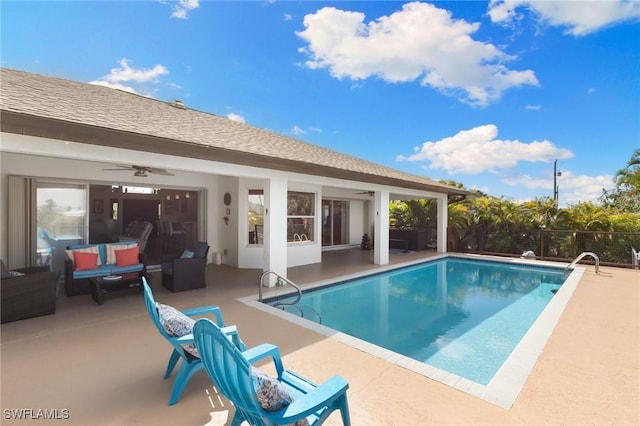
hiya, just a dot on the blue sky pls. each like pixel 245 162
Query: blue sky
pixel 484 93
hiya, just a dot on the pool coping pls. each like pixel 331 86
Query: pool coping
pixel 505 386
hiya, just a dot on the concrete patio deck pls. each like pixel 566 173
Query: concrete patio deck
pixel 104 364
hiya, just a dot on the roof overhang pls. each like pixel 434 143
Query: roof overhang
pixel 37 126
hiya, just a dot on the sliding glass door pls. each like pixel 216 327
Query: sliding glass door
pixel 61 220
pixel 335 223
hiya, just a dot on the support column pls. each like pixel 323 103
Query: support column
pixel 381 228
pixel 443 223
pixel 275 228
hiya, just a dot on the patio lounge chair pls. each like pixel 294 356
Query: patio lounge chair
pixel 260 399
pixel 177 331
pixel 138 231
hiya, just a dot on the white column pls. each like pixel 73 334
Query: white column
pixel 381 224
pixel 275 228
pixel 443 218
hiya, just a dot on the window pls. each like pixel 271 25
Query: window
pixel 114 208
pixel 300 216
pixel 255 211
pixel 61 218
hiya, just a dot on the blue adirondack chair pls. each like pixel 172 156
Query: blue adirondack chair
pixel 190 364
pixel 234 377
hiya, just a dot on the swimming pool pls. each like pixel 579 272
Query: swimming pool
pixel 464 322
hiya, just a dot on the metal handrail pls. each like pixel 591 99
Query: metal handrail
pixel 280 278
pixel 582 256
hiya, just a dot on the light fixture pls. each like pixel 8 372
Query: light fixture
pixel 177 196
pixel 187 195
pixel 168 197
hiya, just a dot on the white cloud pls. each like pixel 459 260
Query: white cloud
pixel 126 73
pixel 115 86
pixel 182 9
pixel 141 75
pixel 236 117
pixel 572 189
pixel 478 150
pixel 288 17
pixel 579 17
pixel 420 42
pixel 533 107
pixel 296 130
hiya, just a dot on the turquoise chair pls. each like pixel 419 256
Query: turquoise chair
pixel 231 371
pixel 190 364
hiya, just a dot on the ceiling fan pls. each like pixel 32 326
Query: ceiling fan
pixel 141 171
pixel 370 193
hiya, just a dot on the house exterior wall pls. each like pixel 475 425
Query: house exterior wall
pixel 358 221
pixel 84 163
pixel 228 225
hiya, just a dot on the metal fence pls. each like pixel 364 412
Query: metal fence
pixel 612 248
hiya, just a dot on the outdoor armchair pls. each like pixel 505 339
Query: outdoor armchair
pixel 27 293
pixel 187 271
pixel 258 398
pixel 176 327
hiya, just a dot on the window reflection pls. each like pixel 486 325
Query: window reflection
pixel 255 215
pixel 300 216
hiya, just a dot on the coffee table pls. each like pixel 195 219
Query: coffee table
pixel 103 285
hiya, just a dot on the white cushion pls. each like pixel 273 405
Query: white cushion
pixel 92 249
pixel 112 248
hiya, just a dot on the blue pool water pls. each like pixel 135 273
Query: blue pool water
pixel 462 316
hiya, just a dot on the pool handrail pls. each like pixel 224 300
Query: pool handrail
pixel 280 278
pixel 582 256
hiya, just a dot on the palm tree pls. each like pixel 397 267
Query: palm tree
pixel 626 195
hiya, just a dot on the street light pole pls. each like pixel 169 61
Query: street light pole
pixel 556 174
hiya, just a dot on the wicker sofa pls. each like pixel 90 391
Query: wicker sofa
pixel 26 296
pixel 78 281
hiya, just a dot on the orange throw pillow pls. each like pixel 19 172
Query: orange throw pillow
pixel 127 257
pixel 85 261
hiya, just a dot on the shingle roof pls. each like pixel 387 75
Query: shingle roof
pixel 46 106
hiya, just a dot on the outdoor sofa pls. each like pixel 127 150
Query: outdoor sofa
pixel 86 261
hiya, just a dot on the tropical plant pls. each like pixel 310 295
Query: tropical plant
pixel 626 194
